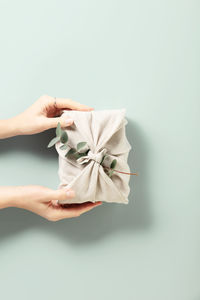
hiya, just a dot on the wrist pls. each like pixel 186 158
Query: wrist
pixel 9 128
pixel 15 125
pixel 11 196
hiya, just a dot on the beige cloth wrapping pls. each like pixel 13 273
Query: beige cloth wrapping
pixel 104 132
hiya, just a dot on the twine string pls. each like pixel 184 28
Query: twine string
pixel 116 170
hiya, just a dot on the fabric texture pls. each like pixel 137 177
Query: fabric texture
pixel 104 132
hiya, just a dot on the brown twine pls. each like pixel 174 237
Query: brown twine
pixel 116 170
pixel 121 171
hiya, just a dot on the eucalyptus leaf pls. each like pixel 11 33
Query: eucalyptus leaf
pixel 77 155
pixel 110 173
pixel 58 130
pixel 71 152
pixel 80 145
pixel 83 154
pixel 113 164
pixel 104 156
pixel 64 137
pixel 53 141
pixel 63 147
pixel 86 152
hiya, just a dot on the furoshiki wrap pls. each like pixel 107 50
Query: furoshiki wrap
pixel 105 134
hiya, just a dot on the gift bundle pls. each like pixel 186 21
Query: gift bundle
pixel 93 154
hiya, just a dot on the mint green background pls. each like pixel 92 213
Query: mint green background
pixel 141 55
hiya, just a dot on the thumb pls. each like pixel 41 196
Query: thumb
pixel 53 122
pixel 59 195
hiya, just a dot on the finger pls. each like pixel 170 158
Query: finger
pixel 53 122
pixel 72 212
pixel 78 209
pixel 55 203
pixel 79 206
pixel 62 103
pixel 61 194
pixel 87 207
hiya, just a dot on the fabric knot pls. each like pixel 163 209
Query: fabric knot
pixel 97 157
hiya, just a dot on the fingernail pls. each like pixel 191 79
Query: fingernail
pixel 69 121
pixel 55 202
pixel 70 193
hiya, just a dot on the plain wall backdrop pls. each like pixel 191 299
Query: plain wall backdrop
pixel 138 55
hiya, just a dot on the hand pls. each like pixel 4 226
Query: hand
pixel 44 114
pixel 43 201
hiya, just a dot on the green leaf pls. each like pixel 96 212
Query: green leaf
pixel 77 155
pixel 53 141
pixel 104 156
pixel 110 173
pixel 113 164
pixel 64 137
pixel 58 130
pixel 63 147
pixel 86 152
pixel 80 145
pixel 83 154
pixel 71 152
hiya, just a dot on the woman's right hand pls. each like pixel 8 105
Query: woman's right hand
pixel 44 201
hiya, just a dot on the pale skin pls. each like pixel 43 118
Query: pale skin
pixel 40 116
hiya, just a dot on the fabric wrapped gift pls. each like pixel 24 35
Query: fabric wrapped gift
pixel 105 135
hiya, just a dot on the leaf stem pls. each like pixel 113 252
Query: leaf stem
pixel 120 171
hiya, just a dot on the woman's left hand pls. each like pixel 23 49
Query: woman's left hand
pixel 45 114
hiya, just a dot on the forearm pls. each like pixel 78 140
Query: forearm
pixel 8 128
pixel 11 196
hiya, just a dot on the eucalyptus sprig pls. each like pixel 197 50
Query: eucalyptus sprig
pixel 112 167
pixel 61 135
pixel 79 151
pixel 110 170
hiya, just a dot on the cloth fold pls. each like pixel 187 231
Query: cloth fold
pixel 97 157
